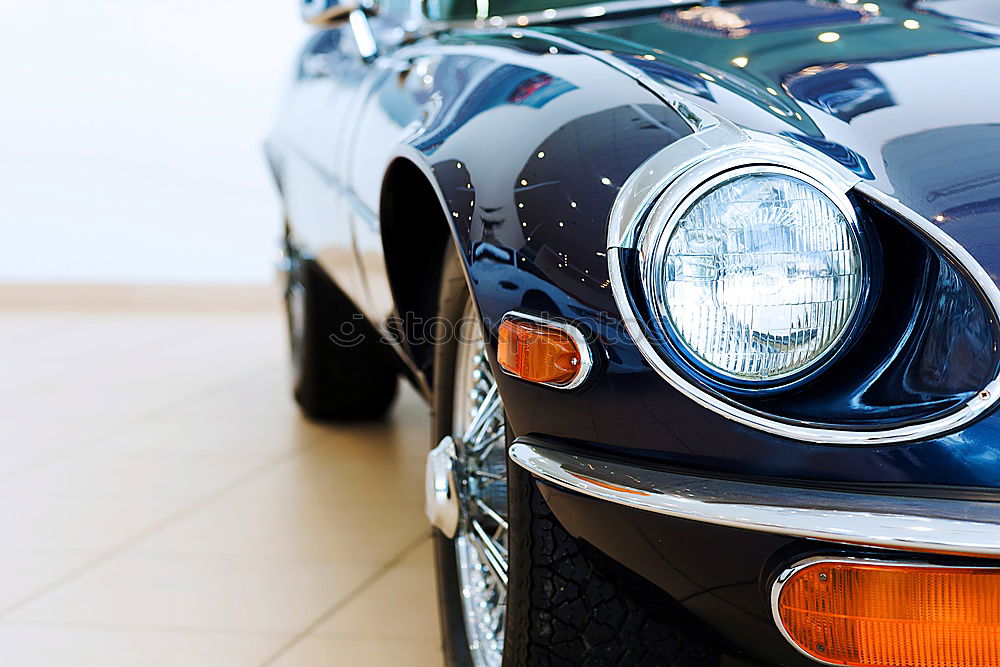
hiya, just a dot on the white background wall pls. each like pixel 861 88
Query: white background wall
pixel 130 138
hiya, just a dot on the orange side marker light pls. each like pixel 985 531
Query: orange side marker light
pixel 541 353
pixel 865 614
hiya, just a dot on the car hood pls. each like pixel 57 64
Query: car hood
pixel 905 94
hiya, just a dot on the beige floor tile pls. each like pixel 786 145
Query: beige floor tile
pixel 129 365
pixel 253 415
pixel 24 645
pixel 199 594
pixel 75 526
pixel 343 651
pixel 163 503
pixel 351 471
pixel 42 345
pixel 351 493
pixel 23 575
pixel 400 604
pixel 275 518
pixel 422 556
pixel 28 442
pixel 258 413
pixel 173 479
pixel 256 432
pixel 263 395
pixel 28 433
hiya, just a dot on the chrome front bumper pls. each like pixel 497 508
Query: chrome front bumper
pixel 895 522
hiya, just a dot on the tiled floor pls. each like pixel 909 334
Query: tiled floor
pixel 162 502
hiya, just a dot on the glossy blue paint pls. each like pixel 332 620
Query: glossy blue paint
pixel 527 141
pixel 845 117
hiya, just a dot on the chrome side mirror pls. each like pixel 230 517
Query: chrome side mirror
pixel 328 12
pixel 363 35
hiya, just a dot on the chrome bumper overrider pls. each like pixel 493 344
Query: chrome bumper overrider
pixel 924 524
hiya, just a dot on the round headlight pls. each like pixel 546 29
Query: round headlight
pixel 757 276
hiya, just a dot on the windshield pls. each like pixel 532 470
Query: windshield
pixel 470 9
pixel 445 10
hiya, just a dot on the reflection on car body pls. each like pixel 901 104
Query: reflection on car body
pixel 735 326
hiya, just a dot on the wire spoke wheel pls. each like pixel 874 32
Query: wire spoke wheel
pixel 481 541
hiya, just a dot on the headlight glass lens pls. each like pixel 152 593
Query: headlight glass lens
pixel 759 278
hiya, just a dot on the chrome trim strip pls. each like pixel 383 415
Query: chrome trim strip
pixel 666 179
pixel 586 354
pixel 920 524
pixel 787 574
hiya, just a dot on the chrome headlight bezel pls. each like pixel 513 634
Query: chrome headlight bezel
pixel 714 147
pixel 653 240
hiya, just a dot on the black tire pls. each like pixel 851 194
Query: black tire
pixel 567 604
pixel 334 381
pixel 452 300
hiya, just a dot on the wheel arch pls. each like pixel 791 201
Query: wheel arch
pixel 415 233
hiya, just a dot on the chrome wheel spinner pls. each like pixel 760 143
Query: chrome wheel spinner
pixel 441 504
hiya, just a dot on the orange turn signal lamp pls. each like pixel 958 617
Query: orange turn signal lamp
pixel 884 614
pixel 549 353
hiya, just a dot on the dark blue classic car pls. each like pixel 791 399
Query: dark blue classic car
pixel 704 298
